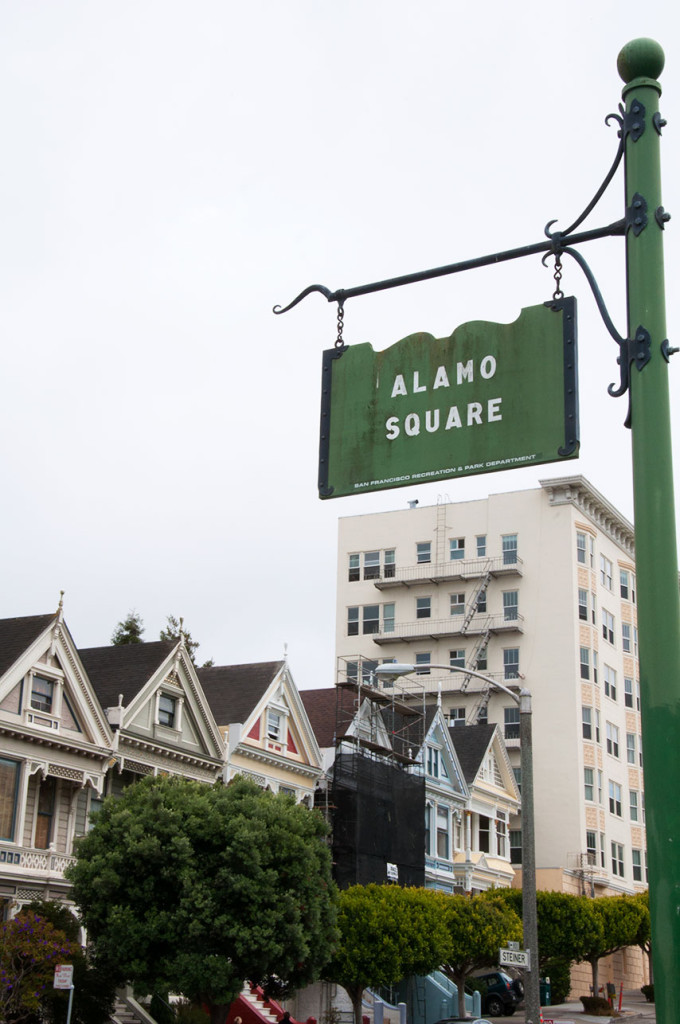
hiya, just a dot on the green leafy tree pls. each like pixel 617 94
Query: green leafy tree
pixel 194 889
pixel 129 630
pixel 30 949
pixel 643 938
pixel 477 928
pixel 620 919
pixel 94 989
pixel 386 933
pixel 173 629
pixel 566 925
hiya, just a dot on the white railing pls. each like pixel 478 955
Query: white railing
pixel 455 568
pixel 454 625
pixel 30 863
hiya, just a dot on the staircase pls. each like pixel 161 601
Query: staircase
pixel 257 1002
pixel 127 1010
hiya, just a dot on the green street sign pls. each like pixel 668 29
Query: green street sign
pixel 489 397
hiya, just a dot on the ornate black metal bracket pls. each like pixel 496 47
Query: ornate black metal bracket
pixel 635 351
pixel 636 214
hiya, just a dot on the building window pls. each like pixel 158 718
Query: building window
pixel 354 568
pixel 587 723
pixel 457 716
pixel 167 709
pixel 635 641
pixel 631 752
pixel 287 791
pixel 599 787
pixel 483 715
pixel 515 846
pixel 501 836
pixel 585 662
pixel 582 604
pixel 634 805
pixel 628 691
pixel 43 825
pixel 588 784
pixel 371 618
pixel 390 564
pixel 607 626
pixel 423 664
pixel 511 663
pixel 274 725
pixel 510 605
pixel 423 552
pixel 457 659
pixel 388 618
pixel 597 726
pixel 640 749
pixel 481 546
pixel 371 565
pixel 433 762
pixel 581 548
pixel 457 604
pixel 595 666
pixel 591 848
pixel 627 580
pixel 367 670
pixel 637 865
pixel 42 694
pixel 443 832
pixel 625 637
pixel 457 548
pixel 615 806
pixel 517 772
pixel 482 659
pixel 481 601
pixel 9 788
pixel 612 739
pixel 606 572
pixel 423 607
pixel 352 622
pixel 509 543
pixel 609 682
pixel 511 723
pixel 484 832
pixel 617 859
pixel 428 828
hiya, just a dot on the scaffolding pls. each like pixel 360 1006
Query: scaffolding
pixel 378 787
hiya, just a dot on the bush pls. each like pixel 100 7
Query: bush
pixel 597 1006
pixel 559 972
pixel 648 992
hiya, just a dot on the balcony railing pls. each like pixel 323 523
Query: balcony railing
pixel 442 572
pixel 33 864
pixel 454 625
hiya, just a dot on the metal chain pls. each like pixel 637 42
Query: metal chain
pixel 558 293
pixel 339 343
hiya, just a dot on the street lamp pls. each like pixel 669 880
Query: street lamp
pixel 532 1000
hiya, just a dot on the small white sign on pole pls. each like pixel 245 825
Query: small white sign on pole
pixel 515 958
pixel 63 976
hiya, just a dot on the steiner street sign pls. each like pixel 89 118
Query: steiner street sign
pixel 489 397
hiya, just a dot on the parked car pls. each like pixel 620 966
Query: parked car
pixel 501 994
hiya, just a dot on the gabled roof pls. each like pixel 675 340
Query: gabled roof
pixel 124 668
pixel 471 744
pixel 18 634
pixel 233 691
pixel 320 706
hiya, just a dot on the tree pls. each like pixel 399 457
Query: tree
pixel 129 630
pixel 173 629
pixel 566 926
pixel 30 948
pixel 643 939
pixel 94 992
pixel 620 919
pixel 196 888
pixel 477 928
pixel 386 933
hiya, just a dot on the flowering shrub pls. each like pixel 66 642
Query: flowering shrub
pixel 30 949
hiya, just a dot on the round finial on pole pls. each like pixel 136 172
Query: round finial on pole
pixel 641 58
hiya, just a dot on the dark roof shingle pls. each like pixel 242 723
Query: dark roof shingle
pixel 470 744
pixel 123 668
pixel 320 705
pixel 234 690
pixel 18 634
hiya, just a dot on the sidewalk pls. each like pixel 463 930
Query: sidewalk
pixel 634 1008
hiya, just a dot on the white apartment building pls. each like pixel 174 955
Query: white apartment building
pixel 536 589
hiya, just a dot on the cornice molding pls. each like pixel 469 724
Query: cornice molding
pixel 579 492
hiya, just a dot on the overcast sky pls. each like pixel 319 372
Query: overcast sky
pixel 171 170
